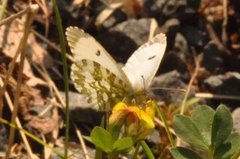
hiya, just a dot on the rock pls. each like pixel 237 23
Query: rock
pixel 170 27
pixel 117 17
pixel 3 138
pixel 123 39
pixel 177 58
pixel 212 60
pixel 162 7
pixel 226 84
pixel 138 30
pixel 169 87
pixel 81 110
pixel 77 100
pixel 193 35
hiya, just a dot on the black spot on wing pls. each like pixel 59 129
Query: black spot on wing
pixel 98 53
pixel 152 57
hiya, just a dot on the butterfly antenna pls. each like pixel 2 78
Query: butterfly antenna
pixel 169 89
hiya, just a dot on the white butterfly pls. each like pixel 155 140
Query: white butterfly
pixel 97 75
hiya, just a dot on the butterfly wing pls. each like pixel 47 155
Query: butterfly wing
pixel 101 87
pixel 84 46
pixel 94 72
pixel 142 66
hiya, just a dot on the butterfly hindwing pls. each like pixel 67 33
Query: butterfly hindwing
pixel 101 87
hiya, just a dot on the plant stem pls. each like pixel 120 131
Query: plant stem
pixel 3 8
pixel 136 151
pixel 147 150
pixel 170 137
pixel 31 136
pixel 65 73
pixel 30 16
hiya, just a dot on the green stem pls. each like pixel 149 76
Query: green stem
pixel 147 150
pixel 210 153
pixel 65 73
pixel 136 151
pixel 170 137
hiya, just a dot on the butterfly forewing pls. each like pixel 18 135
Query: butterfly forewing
pixel 101 87
pixel 84 46
pixel 142 66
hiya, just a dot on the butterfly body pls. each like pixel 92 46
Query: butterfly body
pixel 98 76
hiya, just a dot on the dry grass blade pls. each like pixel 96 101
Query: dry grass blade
pixel 51 44
pixel 28 23
pixel 193 77
pixel 162 125
pixel 13 62
pixel 107 12
pixel 15 16
pixel 24 138
pixel 217 96
pixel 46 76
pixel 79 134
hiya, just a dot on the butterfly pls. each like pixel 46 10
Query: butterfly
pixel 98 76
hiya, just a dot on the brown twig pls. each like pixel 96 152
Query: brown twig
pixel 20 49
pixel 51 44
pixel 13 62
pixel 18 123
pixel 215 39
pixel 45 11
pixel 14 16
pixel 225 21
pixel 194 75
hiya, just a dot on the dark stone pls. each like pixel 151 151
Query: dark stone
pixel 212 60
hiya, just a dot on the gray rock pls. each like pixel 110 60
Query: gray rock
pixel 123 39
pixel 137 30
pixel 225 84
pixel 117 17
pixel 169 87
pixel 163 7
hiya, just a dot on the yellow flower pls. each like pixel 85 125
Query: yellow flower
pixel 138 122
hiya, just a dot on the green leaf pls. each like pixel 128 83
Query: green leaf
pixel 183 153
pixel 102 139
pixel 88 138
pixel 229 147
pixel 191 102
pixel 203 118
pixel 186 129
pixel 222 126
pixel 123 144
